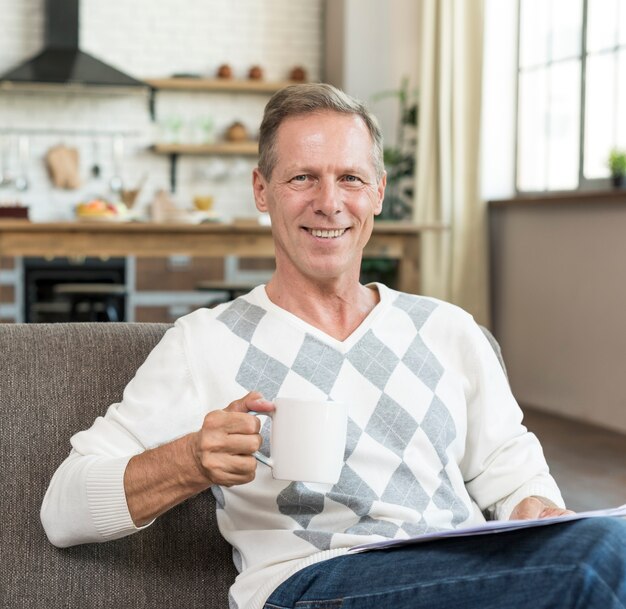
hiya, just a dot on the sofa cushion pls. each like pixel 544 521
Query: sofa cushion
pixel 56 378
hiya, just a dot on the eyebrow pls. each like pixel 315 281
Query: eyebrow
pixel 295 170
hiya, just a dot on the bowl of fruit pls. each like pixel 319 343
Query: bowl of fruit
pixel 100 210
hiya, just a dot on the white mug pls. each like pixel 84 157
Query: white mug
pixel 307 440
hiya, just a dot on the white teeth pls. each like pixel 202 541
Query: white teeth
pixel 327 234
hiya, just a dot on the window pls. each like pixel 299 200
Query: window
pixel 571 91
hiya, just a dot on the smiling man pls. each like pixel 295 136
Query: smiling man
pixel 322 193
pixel 435 437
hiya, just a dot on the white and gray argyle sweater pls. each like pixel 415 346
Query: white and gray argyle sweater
pixel 435 438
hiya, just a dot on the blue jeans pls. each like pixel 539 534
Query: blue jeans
pixel 578 564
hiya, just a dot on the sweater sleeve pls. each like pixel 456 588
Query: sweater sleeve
pixel 85 501
pixel 503 462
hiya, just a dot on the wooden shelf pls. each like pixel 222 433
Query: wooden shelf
pixel 221 148
pixel 216 85
pixel 209 85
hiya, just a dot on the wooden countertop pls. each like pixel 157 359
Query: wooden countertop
pixel 394 240
pixel 6 225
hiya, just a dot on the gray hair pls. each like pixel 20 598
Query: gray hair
pixel 309 98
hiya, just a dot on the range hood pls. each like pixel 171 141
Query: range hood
pixel 61 61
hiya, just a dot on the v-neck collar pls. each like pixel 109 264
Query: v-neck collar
pixel 260 295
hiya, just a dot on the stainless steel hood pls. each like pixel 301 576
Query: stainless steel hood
pixel 61 61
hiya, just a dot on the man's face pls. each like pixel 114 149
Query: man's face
pixel 322 196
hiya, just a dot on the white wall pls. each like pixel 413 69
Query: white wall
pixel 154 38
pixel 370 46
pixel 560 295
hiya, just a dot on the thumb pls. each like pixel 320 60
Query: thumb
pixel 252 401
pixel 529 508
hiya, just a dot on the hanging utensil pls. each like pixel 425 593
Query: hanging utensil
pixel 5 150
pixel 95 166
pixel 23 155
pixel 116 184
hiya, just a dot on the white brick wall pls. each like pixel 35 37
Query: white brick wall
pixel 153 38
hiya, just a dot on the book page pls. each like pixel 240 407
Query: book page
pixel 489 527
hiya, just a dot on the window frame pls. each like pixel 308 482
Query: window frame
pixel 584 184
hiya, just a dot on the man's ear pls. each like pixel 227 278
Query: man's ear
pixel 380 191
pixel 259 187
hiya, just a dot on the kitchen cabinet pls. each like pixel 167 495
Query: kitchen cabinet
pixel 208 85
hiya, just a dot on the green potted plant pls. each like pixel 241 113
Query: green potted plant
pixel 617 166
pixel 400 166
pixel 400 159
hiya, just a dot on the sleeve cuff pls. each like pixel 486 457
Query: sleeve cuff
pixel 106 498
pixel 541 488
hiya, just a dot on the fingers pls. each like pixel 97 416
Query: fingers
pixel 528 508
pixel 552 512
pixel 230 433
pixel 230 470
pixel 228 438
pixel 534 507
pixel 252 401
pixel 226 458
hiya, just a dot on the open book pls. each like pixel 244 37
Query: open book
pixel 489 527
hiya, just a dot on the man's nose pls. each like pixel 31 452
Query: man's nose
pixel 328 200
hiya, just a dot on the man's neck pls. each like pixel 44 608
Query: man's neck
pixel 337 307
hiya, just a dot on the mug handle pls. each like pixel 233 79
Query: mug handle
pixel 261 458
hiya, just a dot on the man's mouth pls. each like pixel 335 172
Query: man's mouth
pixel 326 234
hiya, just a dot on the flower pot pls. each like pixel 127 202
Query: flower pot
pixel 619 181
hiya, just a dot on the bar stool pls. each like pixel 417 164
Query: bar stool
pixel 93 301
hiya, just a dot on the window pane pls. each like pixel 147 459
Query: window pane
pixel 564 126
pixel 622 21
pixel 600 110
pixel 567 26
pixel 531 141
pixel 534 22
pixel 601 24
pixel 620 111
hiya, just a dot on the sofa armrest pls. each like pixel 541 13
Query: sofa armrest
pixel 56 379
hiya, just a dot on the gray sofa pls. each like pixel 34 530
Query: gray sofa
pixel 55 380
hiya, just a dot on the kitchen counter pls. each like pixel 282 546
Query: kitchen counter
pixel 395 240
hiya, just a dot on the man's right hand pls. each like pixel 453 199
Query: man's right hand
pixel 221 452
pixel 223 448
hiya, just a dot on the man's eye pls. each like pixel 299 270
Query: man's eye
pixel 352 179
pixel 300 178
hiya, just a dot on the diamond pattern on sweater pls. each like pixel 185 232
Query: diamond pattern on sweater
pixel 352 437
pixel 419 359
pixel 391 425
pixel 404 489
pixel 353 492
pixel 446 499
pixel 320 539
pixel 300 503
pixel 265 432
pixel 371 526
pixel 242 318
pixel 218 493
pixel 418 528
pixel 318 363
pixel 373 359
pixel 417 308
pixel 260 372
pixel 439 427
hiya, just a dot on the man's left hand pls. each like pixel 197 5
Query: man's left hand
pixel 537 507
